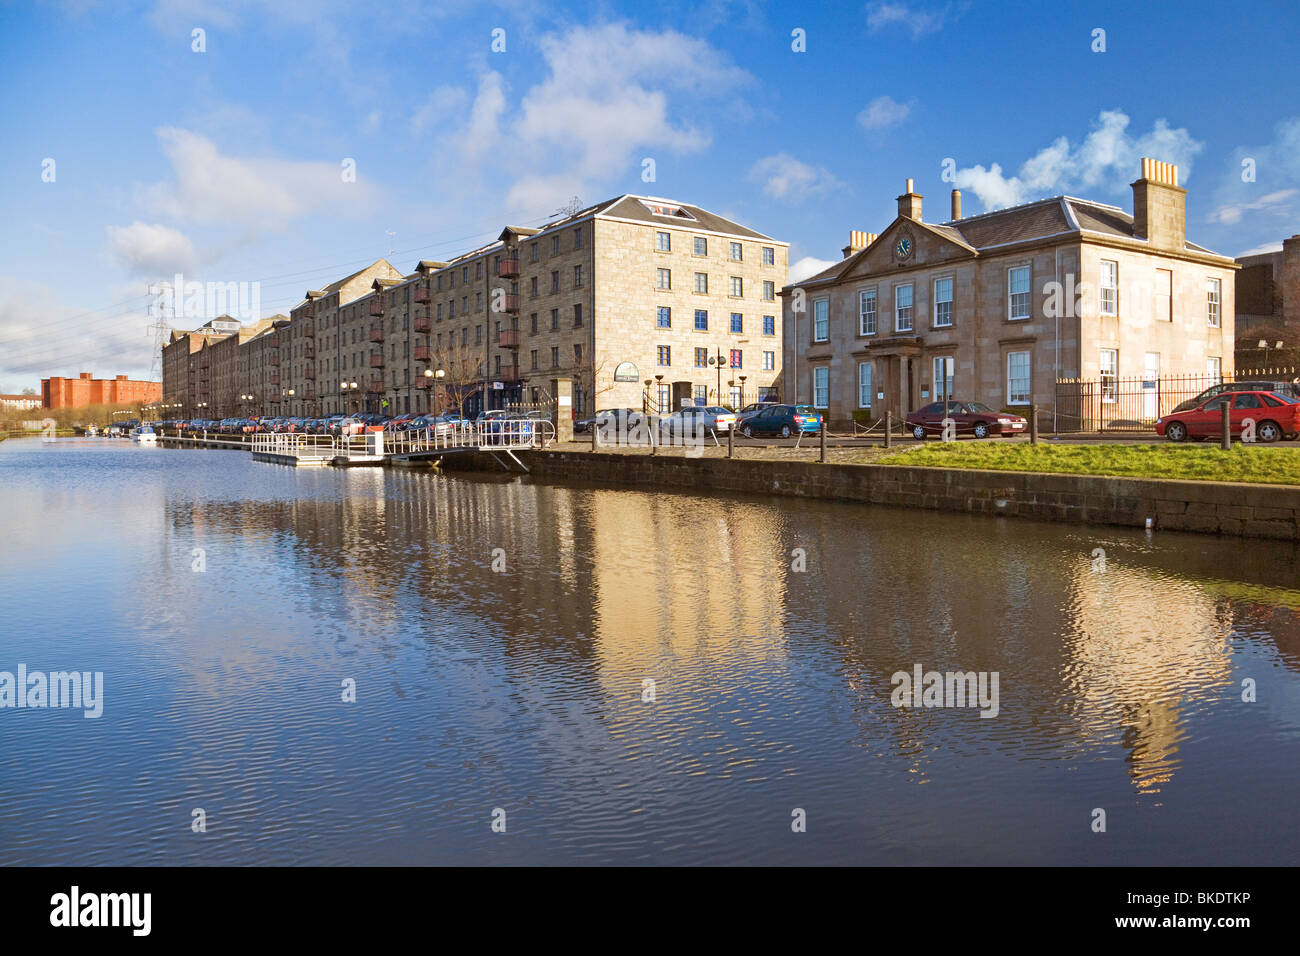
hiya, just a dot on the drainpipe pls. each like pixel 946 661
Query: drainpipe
pixel 1056 377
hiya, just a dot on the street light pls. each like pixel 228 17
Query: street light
pixel 717 361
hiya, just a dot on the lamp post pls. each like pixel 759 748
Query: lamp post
pixel 717 362
pixel 438 374
pixel 742 391
pixel 659 390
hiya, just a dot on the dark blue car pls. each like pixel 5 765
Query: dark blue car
pixel 783 420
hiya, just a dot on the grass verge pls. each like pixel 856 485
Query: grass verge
pixel 1255 464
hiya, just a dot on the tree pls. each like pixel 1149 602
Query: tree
pixel 462 371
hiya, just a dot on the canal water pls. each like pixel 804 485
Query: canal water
pixel 620 676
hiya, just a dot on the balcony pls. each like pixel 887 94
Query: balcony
pixel 421 324
pixel 422 353
pixel 308 310
pixel 422 293
pixel 273 359
pixel 376 333
pixel 309 331
pixel 508 339
pixel 376 359
pixel 308 350
pixel 274 341
pixel 274 378
pixel 507 373
pixel 376 306
pixel 375 388
pixel 425 383
pixel 512 302
pixel 309 373
pixel 508 267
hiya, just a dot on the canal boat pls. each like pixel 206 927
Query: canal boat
pixel 144 435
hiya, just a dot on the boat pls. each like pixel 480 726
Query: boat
pixel 144 434
pixel 92 431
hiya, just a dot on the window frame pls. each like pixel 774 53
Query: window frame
pixel 911 307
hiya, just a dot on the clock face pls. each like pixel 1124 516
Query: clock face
pixel 903 247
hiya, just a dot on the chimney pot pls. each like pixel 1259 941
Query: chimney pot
pixel 909 185
pixel 956 204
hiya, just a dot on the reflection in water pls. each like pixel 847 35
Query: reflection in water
pixel 634 676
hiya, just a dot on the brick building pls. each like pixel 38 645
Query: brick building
pixel 1005 304
pixel 1268 301
pixel 85 390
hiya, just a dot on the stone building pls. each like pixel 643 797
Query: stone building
pixel 1268 305
pixel 1002 305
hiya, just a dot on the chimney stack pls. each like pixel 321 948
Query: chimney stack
pixel 858 241
pixel 909 204
pixel 956 204
pixel 1160 206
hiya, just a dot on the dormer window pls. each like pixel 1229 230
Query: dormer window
pixel 665 209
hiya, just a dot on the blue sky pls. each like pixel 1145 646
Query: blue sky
pixel 227 164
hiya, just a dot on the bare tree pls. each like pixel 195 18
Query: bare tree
pixel 462 370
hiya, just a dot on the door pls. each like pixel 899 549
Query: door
pixel 1204 422
pixel 1151 387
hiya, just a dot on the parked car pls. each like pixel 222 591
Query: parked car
pixel 1275 416
pixel 608 418
pixel 1289 389
pixel 783 420
pixel 711 419
pixel 752 409
pixel 970 418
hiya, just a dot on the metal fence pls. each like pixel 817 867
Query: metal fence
pixel 1133 403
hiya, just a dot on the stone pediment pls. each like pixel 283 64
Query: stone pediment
pixel 908 243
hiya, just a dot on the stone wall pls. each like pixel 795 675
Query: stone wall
pixel 1259 511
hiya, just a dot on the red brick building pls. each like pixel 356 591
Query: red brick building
pixel 59 392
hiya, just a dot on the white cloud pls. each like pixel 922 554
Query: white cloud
pixel 917 22
pixel 436 107
pixel 883 112
pixel 781 176
pixel 150 250
pixel 252 194
pixel 1260 250
pixel 808 266
pixel 1108 159
pixel 604 103
pixel 1276 180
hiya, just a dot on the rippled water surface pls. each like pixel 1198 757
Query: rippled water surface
pixel 1120 675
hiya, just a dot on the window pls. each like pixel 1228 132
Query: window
pixel 464 274
pixel 701 282
pixel 700 394
pixel 903 308
pixel 532 287
pixel 1109 365
pixel 555 319
pixel 555 281
pixel 1109 298
pixel 665 355
pixel 864 385
pixel 1214 369
pixel 1018 378
pixel 1213 289
pixel 555 244
pixel 769 325
pixel 867 312
pixel 577 315
pixel 478 269
pixel 737 252
pixel 478 301
pixel 663 241
pixel 533 252
pixel 942 367
pixel 737 287
pixel 451 308
pixel 577 352
pixel 769 291
pixel 532 320
pixel 478 335
pixel 701 358
pixel 577 238
pixel 1164 295
pixel 737 359
pixel 821 319
pixel 533 355
pixel 665 319
pixel 701 320
pixel 737 323
pixel 821 386
pixel 1018 292
pixel 701 246
pixel 769 361
pixel 555 356
pixel 769 256
pixel 665 280
pixel 577 277
pixel 943 303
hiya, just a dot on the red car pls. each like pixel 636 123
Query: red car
pixel 970 418
pixel 1275 416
